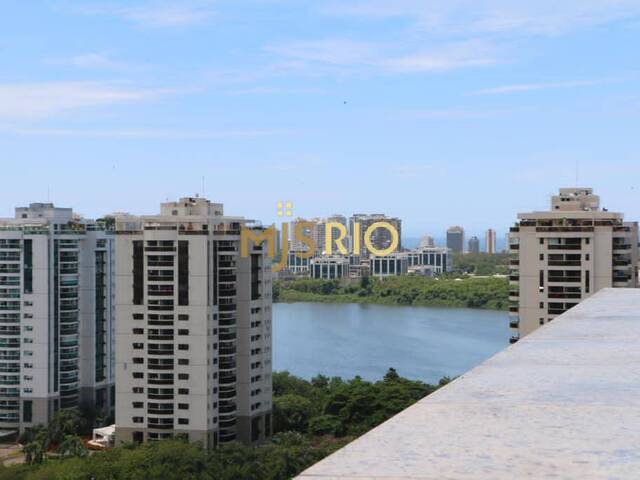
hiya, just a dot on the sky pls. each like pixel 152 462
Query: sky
pixel 441 112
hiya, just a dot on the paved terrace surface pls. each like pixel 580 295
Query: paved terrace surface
pixel 562 403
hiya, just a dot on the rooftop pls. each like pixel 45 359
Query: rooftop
pixel 563 402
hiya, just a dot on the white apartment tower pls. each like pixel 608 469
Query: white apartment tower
pixel 560 257
pixel 56 316
pixel 193 339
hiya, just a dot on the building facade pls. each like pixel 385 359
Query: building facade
pixel 56 316
pixel 455 239
pixel 474 245
pixel 388 265
pixel 193 334
pixel 438 258
pixel 565 255
pixel 381 238
pixel 490 242
pixel 330 268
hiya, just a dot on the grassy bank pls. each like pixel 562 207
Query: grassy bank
pixel 487 293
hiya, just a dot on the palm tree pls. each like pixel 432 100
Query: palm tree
pixel 33 453
pixel 72 446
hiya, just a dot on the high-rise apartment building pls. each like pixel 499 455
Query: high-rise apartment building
pixel 380 238
pixel 56 315
pixel 455 239
pixel 490 241
pixel 193 331
pixel 474 245
pixel 564 255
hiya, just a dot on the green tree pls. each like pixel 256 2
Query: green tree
pixel 291 412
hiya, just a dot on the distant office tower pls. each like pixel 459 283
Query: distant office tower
pixel 56 316
pixel 335 234
pixel 427 242
pixel 311 231
pixel 490 241
pixel 193 328
pixel 560 257
pixel 455 239
pixel 474 245
pixel 380 238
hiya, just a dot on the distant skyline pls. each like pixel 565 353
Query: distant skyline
pixel 442 113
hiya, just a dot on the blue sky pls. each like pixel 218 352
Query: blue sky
pixel 441 112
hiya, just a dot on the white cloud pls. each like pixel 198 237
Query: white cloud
pixel 276 91
pixel 40 100
pixel 389 58
pixel 473 16
pixel 138 133
pixel 529 87
pixel 449 57
pixel 156 14
pixel 328 51
pixel 94 60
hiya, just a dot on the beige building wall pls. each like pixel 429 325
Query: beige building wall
pixel 563 256
pixel 194 344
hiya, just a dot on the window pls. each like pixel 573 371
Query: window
pixel 541 304
pixel 138 404
pixel 27 411
pixel 183 331
pixel 183 406
pixel 542 321
pixel 138 375
pixel 183 317
pixel 138 390
pixel 137 419
pixel 138 316
pixel 138 346
pixel 542 256
pixel 28 328
pixel 138 360
pixel 138 272
pixel 542 241
pixel 183 391
pixel 183 272
pixel 183 361
pixel 138 331
pixel 183 421
pixel 183 346
pixel 183 376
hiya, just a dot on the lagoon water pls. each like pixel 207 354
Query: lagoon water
pixel 421 343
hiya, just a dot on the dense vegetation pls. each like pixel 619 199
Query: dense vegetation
pixel 311 420
pixel 481 264
pixel 490 293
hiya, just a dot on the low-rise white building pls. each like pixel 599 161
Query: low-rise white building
pixel 329 268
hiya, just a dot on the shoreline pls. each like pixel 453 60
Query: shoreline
pixel 346 301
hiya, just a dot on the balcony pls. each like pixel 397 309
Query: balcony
pixel 160 411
